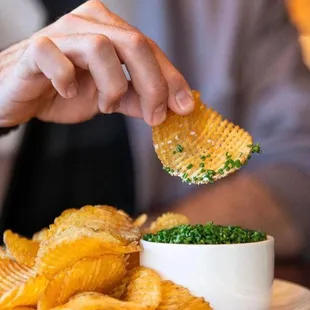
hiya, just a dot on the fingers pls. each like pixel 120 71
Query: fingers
pixel 43 56
pixel 156 84
pixel 96 53
pixel 180 99
pixel 135 52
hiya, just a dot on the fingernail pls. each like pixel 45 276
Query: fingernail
pixel 185 100
pixel 72 90
pixel 159 114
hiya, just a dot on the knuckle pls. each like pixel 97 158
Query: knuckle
pixel 137 40
pixel 39 45
pixel 98 42
pixel 67 19
pixel 95 4
pixel 115 92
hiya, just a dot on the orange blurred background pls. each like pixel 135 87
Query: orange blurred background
pixel 300 15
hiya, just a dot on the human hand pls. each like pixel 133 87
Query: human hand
pixel 72 70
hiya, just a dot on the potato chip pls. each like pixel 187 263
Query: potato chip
pixel 21 249
pixel 140 220
pixel 69 246
pixel 23 308
pixel 96 301
pixel 201 147
pixel 166 221
pixel 13 275
pixel 26 294
pixel 120 290
pixel 40 235
pixel 176 297
pixel 144 288
pixel 99 218
pixel 133 260
pixel 3 253
pixel 100 274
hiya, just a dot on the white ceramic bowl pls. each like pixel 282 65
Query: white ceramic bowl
pixel 229 277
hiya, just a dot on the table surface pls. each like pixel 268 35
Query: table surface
pixel 294 272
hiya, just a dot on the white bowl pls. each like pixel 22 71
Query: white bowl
pixel 229 277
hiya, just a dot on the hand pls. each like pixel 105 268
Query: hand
pixel 72 70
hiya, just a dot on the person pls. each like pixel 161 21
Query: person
pixel 245 60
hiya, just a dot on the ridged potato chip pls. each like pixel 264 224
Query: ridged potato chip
pixel 23 308
pixel 100 274
pixel 21 249
pixel 13 275
pixel 140 220
pixel 3 253
pixel 99 218
pixel 69 246
pixel 26 294
pixel 144 288
pixel 201 147
pixel 176 297
pixel 96 301
pixel 40 235
pixel 166 221
pixel 120 290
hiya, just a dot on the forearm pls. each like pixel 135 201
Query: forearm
pixel 245 201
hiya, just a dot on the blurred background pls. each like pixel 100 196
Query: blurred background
pixel 20 18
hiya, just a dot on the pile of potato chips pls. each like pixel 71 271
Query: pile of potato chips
pixel 88 259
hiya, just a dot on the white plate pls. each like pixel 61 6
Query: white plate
pixel 290 296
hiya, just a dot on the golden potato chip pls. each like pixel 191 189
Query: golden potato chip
pixel 67 247
pixel 40 235
pixel 176 297
pixel 119 291
pixel 99 218
pixel 3 253
pixel 201 147
pixel 100 274
pixel 95 301
pixel 133 260
pixel 23 308
pixel 13 275
pixel 166 221
pixel 140 220
pixel 144 288
pixel 21 249
pixel 26 294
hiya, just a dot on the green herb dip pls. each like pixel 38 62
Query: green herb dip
pixel 206 234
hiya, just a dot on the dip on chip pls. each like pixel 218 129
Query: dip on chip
pixel 202 147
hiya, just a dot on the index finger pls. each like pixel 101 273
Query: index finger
pixel 180 98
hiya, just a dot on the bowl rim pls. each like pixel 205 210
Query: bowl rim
pixel 159 244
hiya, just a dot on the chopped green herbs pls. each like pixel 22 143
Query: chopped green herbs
pixel 185 175
pixel 190 166
pixel 179 148
pixel 167 169
pixel 210 175
pixel 255 148
pixel 206 234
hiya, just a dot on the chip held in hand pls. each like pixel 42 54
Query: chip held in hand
pixel 202 147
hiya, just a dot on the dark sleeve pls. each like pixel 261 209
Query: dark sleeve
pixel 6 130
pixel 275 101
